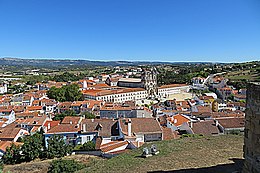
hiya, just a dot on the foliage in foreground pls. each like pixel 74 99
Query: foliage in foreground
pixel 34 147
pixel 65 166
pixel 57 147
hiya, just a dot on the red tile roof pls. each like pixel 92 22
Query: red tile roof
pixel 71 120
pixel 64 128
pixel 231 122
pixel 141 125
pixel 178 119
pixel 206 128
pixel 108 147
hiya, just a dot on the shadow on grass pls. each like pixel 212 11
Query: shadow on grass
pixel 235 167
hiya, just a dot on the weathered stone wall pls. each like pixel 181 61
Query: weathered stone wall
pixel 252 130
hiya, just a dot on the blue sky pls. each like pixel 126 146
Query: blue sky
pixel 149 30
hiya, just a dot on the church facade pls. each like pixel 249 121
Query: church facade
pixel 148 81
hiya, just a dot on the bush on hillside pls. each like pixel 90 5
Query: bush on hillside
pixel 65 166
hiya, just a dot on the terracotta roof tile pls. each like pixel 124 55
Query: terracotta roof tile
pixel 206 128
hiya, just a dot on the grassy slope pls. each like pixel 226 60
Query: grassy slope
pixel 39 166
pixel 174 155
pixel 178 154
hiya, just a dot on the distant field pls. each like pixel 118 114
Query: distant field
pixel 250 75
pixel 220 154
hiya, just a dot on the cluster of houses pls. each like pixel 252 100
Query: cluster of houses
pixel 120 122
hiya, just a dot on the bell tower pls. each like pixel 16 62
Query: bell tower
pixel 149 81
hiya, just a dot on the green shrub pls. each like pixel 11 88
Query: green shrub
pixel 88 146
pixel 65 166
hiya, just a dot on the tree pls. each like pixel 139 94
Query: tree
pixel 57 147
pixel 89 115
pixel 65 166
pixel 62 115
pixel 12 155
pixel 57 94
pixel 88 146
pixel 65 93
pixel 72 93
pixel 65 77
pixel 32 147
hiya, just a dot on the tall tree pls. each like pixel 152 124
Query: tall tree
pixel 57 147
pixel 32 147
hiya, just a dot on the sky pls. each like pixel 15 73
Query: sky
pixel 135 30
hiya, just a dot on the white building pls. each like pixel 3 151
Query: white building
pixel 3 89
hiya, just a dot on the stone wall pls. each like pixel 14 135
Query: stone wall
pixel 252 130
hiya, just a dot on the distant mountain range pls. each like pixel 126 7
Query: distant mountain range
pixel 55 62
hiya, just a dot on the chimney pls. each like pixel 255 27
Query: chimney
pixel 129 127
pixel 49 126
pixel 85 85
pixel 84 127
pixel 217 123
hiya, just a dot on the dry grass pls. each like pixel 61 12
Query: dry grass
pixel 206 154
pixel 41 166
pixel 178 154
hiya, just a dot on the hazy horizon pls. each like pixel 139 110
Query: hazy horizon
pixel 147 30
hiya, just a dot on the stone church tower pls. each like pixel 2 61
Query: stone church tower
pixel 149 81
pixel 252 130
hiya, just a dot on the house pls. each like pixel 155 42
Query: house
pixel 226 114
pixel 239 106
pixel 48 105
pixel 111 110
pixel 112 81
pixel 206 128
pixel 175 122
pixel 68 131
pixel 76 106
pixel 201 112
pixel 35 109
pixel 169 134
pixel 214 95
pixel 107 129
pixel 141 129
pixel 64 106
pixel 25 115
pixel 87 130
pixel 7 119
pixel 27 100
pixel 49 124
pixel 225 92
pixel 207 100
pixel 32 124
pixel 72 120
pixel 3 89
pixel 231 124
pixel 12 133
